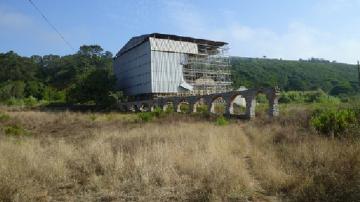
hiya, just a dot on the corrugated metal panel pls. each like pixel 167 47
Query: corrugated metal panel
pixel 173 46
pixel 166 71
pixel 133 70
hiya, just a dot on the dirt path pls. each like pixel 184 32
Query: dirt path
pixel 260 193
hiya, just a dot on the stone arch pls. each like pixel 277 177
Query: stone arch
pixel 199 102
pixel 154 106
pixel 218 105
pixel 272 96
pixel 168 105
pixel 179 106
pixel 134 108
pixel 237 104
pixel 145 107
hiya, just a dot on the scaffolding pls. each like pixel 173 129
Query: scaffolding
pixel 209 70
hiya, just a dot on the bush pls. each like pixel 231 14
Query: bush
pixel 202 108
pixel 146 116
pixel 15 130
pixel 221 121
pixel 52 94
pixel 4 117
pixel 14 102
pixel 317 96
pixel 30 101
pixel 333 122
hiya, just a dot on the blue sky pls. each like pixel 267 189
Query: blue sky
pixel 274 28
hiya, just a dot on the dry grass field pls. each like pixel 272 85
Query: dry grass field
pixel 67 156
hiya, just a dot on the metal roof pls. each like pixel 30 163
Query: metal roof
pixel 138 40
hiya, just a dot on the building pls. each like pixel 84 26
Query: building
pixel 156 65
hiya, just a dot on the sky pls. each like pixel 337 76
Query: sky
pixel 286 29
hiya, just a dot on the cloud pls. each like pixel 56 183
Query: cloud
pixel 13 20
pixel 27 35
pixel 297 40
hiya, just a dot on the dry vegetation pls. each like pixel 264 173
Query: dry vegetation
pixel 68 156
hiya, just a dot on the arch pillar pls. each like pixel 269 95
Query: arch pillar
pixel 229 108
pixel 250 106
pixel 274 106
pixel 192 107
pixel 211 107
pixel 177 107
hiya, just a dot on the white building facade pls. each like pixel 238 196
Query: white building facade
pixel 159 65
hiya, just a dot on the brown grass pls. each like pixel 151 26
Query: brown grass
pixel 112 157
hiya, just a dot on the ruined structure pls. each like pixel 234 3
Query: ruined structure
pixel 272 95
pixel 158 70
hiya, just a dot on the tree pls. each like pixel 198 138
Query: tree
pixel 91 50
pixel 96 86
pixel 341 89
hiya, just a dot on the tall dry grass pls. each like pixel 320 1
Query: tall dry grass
pixel 112 157
pixel 297 165
pixel 142 162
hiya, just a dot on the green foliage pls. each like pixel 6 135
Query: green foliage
pixel 15 130
pixel 30 101
pixel 51 77
pixel 261 98
pixel 16 68
pixel 34 89
pixel 184 108
pixel 51 94
pixel 145 116
pixel 202 108
pixel 294 75
pixel 149 116
pixel 221 121
pixel 333 122
pixel 318 96
pixel 341 89
pixel 4 117
pixel 15 102
pixel 12 89
pixel 94 86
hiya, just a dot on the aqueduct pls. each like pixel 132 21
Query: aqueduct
pixel 249 95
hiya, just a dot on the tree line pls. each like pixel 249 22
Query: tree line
pixel 334 78
pixel 83 77
pixel 87 77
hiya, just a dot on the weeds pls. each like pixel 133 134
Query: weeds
pixel 15 130
pixel 332 122
pixel 4 117
pixel 174 159
pixel 221 121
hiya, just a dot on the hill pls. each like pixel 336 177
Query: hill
pixel 332 77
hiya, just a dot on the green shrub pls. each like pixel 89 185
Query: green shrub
pixel 30 101
pixel 317 96
pixel 184 108
pixel 158 112
pixel 4 117
pixel 15 102
pixel 261 98
pixel 145 116
pixel 15 130
pixel 202 108
pixel 221 121
pixel 333 122
pixel 52 94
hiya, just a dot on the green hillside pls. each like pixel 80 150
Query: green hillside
pixel 333 77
